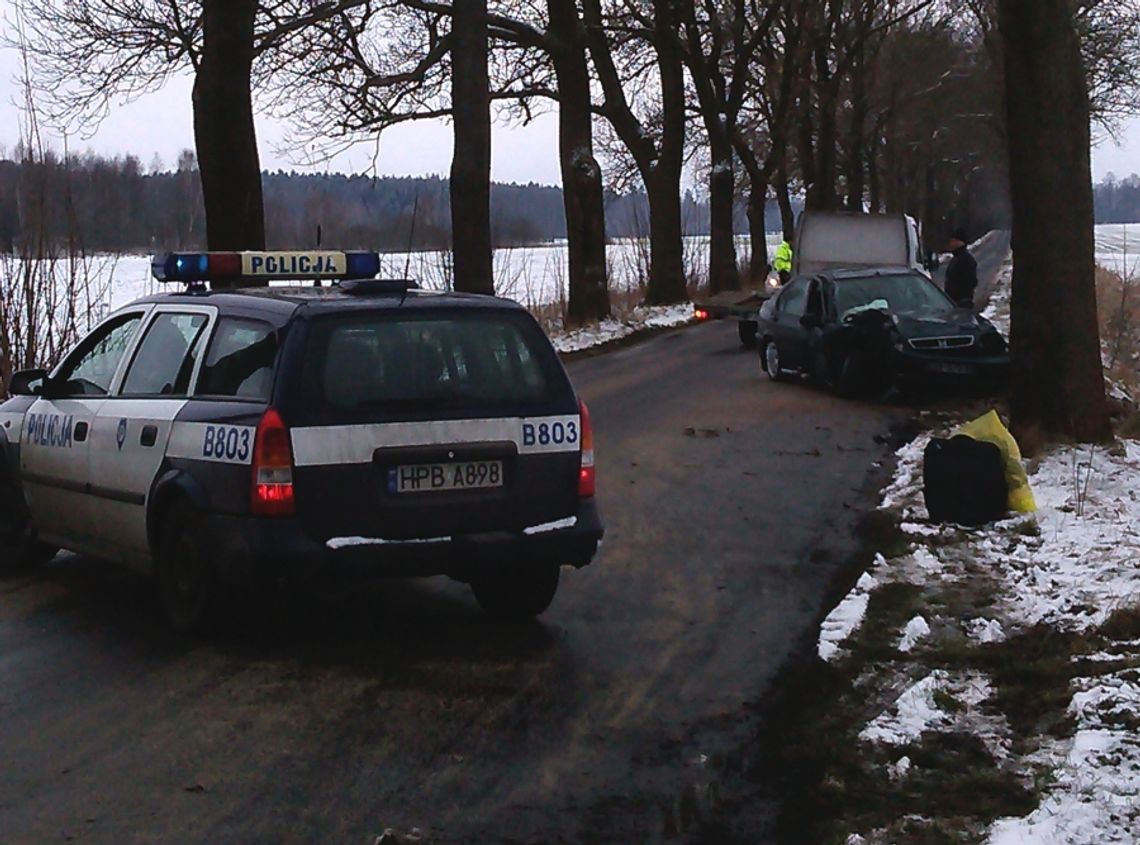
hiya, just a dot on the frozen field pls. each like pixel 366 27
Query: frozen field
pixel 1118 248
pixel 537 275
pixel 531 275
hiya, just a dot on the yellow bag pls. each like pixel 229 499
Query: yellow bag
pixel 989 429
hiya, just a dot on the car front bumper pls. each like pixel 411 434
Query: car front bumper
pixel 923 366
pixel 257 549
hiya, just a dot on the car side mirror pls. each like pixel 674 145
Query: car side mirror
pixel 811 321
pixel 27 382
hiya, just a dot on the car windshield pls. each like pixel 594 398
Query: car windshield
pixel 902 293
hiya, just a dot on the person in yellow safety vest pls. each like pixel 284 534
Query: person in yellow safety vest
pixel 782 263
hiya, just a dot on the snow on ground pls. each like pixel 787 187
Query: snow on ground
pixel 1118 248
pixel 533 276
pixel 1072 572
pixel 1069 566
pixel 848 614
pixel 917 709
pixel 607 331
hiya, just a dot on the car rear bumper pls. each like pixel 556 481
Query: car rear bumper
pixel 252 549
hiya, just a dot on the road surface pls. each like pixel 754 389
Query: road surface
pixel 336 714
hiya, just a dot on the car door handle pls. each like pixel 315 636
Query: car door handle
pixel 149 435
pixel 80 433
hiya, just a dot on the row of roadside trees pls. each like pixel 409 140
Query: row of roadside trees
pixel 896 105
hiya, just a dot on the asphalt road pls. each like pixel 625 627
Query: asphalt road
pixel 336 714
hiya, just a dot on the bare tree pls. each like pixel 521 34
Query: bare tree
pixel 655 139
pixel 720 42
pixel 1058 385
pixel 85 56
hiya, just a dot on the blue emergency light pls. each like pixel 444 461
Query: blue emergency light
pixel 196 267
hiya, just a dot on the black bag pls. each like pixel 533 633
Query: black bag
pixel 963 481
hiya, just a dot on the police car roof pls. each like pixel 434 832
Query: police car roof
pixel 284 300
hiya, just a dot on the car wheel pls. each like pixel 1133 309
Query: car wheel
pixel 747 331
pixel 19 549
pixel 771 363
pixel 517 594
pixel 850 379
pixel 187 579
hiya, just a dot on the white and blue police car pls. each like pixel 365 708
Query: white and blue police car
pixel 228 437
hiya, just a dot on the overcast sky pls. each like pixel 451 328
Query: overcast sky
pixel 160 125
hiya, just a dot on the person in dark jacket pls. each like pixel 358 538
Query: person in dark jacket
pixel 961 272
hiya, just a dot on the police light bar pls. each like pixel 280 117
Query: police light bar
pixel 190 267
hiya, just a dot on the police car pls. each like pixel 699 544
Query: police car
pixel 220 438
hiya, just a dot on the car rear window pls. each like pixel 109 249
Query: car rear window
pixel 421 362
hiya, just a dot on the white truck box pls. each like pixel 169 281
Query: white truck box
pixel 833 240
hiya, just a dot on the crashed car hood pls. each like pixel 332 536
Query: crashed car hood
pixel 961 321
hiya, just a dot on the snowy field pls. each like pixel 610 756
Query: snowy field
pixel 534 276
pixel 1118 248
pixel 1068 567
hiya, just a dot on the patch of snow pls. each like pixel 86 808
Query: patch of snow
pixel 607 331
pixel 916 629
pixel 556 525
pixel 350 542
pixel 899 769
pixel 847 615
pixel 985 630
pixel 1096 793
pixel 916 711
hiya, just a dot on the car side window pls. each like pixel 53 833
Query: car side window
pixel 794 299
pixel 165 360
pixel 94 363
pixel 240 360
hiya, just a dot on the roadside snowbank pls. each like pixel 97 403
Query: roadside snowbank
pixel 607 331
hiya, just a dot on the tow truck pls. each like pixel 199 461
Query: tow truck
pixel 823 241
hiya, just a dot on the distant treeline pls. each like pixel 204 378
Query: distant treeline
pixel 114 205
pixel 1117 200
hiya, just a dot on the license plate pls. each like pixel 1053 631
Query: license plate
pixel 956 369
pixel 462 475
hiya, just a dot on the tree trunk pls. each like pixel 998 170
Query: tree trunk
pixel 1057 380
pixel 784 200
pixel 223 128
pixel 582 196
pixel 723 274
pixel 663 177
pixel 856 181
pixel 757 233
pixel 826 154
pixel 470 185
pixel 666 252
pixel 873 183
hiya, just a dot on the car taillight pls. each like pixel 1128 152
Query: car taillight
pixel 587 481
pixel 272 493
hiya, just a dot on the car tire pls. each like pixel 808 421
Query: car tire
pixel 747 329
pixel 19 548
pixel 23 551
pixel 850 379
pixel 188 582
pixel 770 361
pixel 517 594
